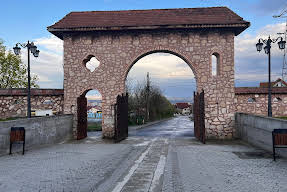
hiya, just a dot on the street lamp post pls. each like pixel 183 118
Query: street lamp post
pixel 33 49
pixel 267 50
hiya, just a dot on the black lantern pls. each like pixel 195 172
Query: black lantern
pixel 33 48
pixel 281 44
pixel 259 46
pixel 36 54
pixel 17 50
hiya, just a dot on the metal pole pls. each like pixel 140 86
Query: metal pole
pixel 147 97
pixel 29 88
pixel 269 81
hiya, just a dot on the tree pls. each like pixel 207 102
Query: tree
pixel 159 106
pixel 13 73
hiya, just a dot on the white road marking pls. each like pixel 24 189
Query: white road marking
pixel 142 144
pixel 166 141
pixel 158 172
pixel 121 184
pixel 63 142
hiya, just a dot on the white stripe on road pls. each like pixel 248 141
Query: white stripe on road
pixel 158 173
pixel 121 184
pixel 142 144
pixel 166 141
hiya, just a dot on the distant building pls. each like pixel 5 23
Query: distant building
pixel 94 112
pixel 254 99
pixel 94 109
pixel 278 83
pixel 183 108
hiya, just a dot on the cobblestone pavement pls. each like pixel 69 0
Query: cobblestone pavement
pixel 144 164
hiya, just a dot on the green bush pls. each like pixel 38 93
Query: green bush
pixel 9 119
pixel 284 117
pixel 94 126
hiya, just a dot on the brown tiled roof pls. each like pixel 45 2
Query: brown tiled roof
pixel 96 107
pixel 36 92
pixel 149 19
pixel 265 84
pixel 182 105
pixel 259 90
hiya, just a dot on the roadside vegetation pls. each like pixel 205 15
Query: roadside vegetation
pixel 9 119
pixel 147 103
pixel 95 126
pixel 284 117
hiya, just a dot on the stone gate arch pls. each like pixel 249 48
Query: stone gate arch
pixel 193 34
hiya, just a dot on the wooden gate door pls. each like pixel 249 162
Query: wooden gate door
pixel 82 117
pixel 199 116
pixel 121 118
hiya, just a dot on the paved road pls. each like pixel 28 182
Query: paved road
pixel 180 126
pixel 150 163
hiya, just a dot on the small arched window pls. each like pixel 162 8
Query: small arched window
pixel 91 63
pixel 215 62
pixel 251 100
pixel 47 102
pixel 277 99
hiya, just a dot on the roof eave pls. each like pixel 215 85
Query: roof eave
pixel 259 90
pixel 238 28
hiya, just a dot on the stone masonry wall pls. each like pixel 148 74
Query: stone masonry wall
pixel 118 51
pixel 15 104
pixel 38 131
pixel 259 106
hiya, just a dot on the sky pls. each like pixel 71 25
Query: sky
pixel 28 20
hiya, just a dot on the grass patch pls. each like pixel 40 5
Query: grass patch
pixel 284 118
pixel 94 127
pixel 9 119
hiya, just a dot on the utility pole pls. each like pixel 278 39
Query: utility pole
pixel 283 14
pixel 147 96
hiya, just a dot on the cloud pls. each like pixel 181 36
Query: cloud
pixel 252 66
pixel 49 65
pixel 169 72
pixel 51 43
pixel 94 95
pixel 161 66
pixel 245 44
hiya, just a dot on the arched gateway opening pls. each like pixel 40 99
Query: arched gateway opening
pixel 160 86
pixel 89 114
pixel 193 34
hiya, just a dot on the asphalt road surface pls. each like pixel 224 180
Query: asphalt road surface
pixel 180 126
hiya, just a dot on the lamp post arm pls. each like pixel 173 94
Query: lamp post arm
pixel 275 40
pixel 24 45
pixel 265 41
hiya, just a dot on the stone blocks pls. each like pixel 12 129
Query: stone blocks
pixel 118 51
